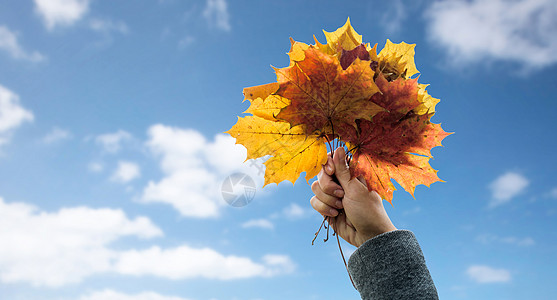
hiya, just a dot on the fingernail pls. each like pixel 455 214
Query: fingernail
pixel 339 193
pixel 333 212
pixel 339 204
pixel 329 169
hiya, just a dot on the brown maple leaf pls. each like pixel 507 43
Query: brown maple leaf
pixel 395 144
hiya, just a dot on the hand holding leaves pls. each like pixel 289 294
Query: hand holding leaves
pixel 343 92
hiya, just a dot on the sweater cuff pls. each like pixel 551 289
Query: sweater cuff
pixel 392 261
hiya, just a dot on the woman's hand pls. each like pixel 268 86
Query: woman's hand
pixel 364 216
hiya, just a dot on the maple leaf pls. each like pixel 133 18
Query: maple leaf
pixel 397 60
pixel 323 95
pixel 344 38
pixel 348 57
pixel 398 98
pixel 297 51
pixel 292 151
pixel 395 144
pixel 427 103
pixel 264 103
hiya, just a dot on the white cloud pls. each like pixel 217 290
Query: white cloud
pixel 10 44
pixel 64 247
pixel 507 186
pixel 126 172
pixel 55 135
pixel 12 114
pixel 258 223
pixel 511 240
pixel 216 13
pixel 114 295
pixel 112 142
pixel 186 262
pixel 486 274
pixel 61 12
pixel 107 26
pixel 194 169
pixel 57 248
pixel 522 31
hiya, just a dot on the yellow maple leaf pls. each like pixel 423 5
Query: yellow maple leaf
pixel 292 151
pixel 297 50
pixel 260 91
pixel 428 103
pixel 344 38
pixel 397 59
pixel 268 108
pixel 263 102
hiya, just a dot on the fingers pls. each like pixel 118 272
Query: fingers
pixel 341 168
pixel 323 208
pixel 325 197
pixel 328 185
pixel 329 166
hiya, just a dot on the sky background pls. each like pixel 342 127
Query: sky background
pixel 112 152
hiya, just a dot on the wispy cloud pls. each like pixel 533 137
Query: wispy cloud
pixel 55 135
pixel 216 13
pixel 511 240
pixel 393 16
pixel 505 187
pixel 475 31
pixel 553 193
pixel 108 26
pixel 126 172
pixel 57 13
pixel 12 114
pixel 486 274
pixel 258 223
pixel 294 211
pixel 95 167
pixel 10 44
pixel 112 142
pixel 114 295
pixel 186 41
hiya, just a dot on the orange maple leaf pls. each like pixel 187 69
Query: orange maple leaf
pixel 323 95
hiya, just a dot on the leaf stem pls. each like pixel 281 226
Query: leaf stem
pixel 318 230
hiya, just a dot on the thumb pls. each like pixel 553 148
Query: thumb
pixel 341 168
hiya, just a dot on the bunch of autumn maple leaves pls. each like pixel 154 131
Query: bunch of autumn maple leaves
pixel 344 91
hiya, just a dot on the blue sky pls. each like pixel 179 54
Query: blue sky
pixel 112 154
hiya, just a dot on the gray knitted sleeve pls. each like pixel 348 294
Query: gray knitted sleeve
pixel 391 266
